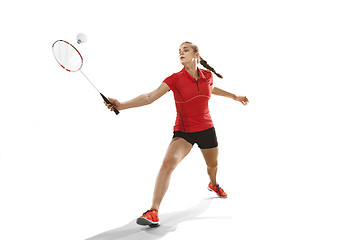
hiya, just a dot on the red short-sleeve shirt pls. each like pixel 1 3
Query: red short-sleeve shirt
pixel 191 100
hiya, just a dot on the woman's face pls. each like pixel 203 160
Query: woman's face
pixel 187 54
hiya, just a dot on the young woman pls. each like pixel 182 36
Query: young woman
pixel 192 88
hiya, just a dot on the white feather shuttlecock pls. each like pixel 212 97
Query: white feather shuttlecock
pixel 81 38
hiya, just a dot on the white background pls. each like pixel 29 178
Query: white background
pixel 70 169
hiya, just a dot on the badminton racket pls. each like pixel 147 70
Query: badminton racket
pixel 71 60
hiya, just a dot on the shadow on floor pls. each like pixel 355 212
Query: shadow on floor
pixel 168 223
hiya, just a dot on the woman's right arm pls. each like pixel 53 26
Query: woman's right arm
pixel 141 100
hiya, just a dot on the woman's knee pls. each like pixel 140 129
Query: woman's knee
pixel 169 164
pixel 212 163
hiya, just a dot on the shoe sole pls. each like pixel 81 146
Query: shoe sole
pixel 216 193
pixel 145 222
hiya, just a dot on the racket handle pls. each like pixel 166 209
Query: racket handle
pixel 108 102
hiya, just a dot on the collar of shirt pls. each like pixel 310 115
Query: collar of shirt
pixel 201 75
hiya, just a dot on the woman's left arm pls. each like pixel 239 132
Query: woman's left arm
pixel 220 92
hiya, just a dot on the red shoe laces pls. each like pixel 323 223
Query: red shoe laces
pixel 219 189
pixel 153 209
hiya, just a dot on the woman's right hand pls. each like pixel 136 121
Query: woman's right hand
pixel 114 102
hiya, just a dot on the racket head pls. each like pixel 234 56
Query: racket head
pixel 67 56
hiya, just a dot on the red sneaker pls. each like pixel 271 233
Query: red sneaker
pixel 149 218
pixel 218 190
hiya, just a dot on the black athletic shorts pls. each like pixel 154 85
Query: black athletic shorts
pixel 204 139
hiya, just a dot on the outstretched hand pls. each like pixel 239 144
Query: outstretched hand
pixel 114 102
pixel 242 99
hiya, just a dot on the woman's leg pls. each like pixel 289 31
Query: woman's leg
pixel 211 159
pixel 211 156
pixel 176 152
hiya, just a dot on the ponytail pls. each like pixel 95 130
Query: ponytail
pixel 202 61
pixel 207 66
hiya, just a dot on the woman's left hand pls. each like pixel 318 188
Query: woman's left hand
pixel 242 99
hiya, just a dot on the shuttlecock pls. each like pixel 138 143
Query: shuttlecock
pixel 81 38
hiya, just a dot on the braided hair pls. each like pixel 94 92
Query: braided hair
pixel 202 61
pixel 207 66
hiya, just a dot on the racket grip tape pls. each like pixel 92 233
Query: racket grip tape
pixel 108 102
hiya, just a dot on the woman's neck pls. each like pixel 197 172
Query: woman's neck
pixel 192 70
